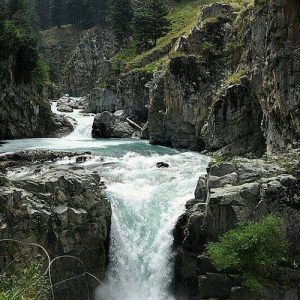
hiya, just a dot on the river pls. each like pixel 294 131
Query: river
pixel 146 203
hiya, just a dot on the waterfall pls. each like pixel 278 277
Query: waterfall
pixel 83 129
pixel 147 203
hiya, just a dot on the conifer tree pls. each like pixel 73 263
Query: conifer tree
pixel 95 12
pixel 43 7
pixel 74 10
pixel 56 12
pixel 121 16
pixel 150 23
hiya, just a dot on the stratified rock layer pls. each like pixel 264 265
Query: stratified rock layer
pixel 89 60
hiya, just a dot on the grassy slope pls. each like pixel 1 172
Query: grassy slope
pixel 183 17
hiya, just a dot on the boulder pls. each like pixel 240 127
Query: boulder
pixel 108 125
pixel 65 108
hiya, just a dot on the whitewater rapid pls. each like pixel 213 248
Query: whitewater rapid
pixel 146 203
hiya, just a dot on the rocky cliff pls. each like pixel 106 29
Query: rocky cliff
pixel 181 95
pixel 25 113
pixel 90 61
pixel 63 208
pixel 233 80
pixel 231 192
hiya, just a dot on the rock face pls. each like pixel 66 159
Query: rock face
pixel 25 113
pixel 90 59
pixel 231 192
pixel 108 125
pixel 272 51
pixel 133 93
pixel 181 95
pixel 61 207
pixel 193 99
pixel 100 100
pixel 234 122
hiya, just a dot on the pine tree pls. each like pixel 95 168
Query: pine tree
pixel 121 16
pixel 74 10
pixel 56 12
pixel 159 22
pixel 15 6
pixel 95 12
pixel 43 7
pixel 150 23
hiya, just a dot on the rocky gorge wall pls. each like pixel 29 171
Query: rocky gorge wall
pixel 200 100
pixel 25 113
pixel 235 191
pixel 89 64
pixel 62 207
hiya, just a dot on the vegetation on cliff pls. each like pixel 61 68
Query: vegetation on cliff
pixel 251 250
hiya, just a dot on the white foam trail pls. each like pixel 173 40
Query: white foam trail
pixel 83 129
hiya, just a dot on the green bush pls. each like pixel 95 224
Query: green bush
pixel 41 73
pixel 251 251
pixel 18 52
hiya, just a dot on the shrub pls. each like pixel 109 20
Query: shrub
pixel 251 250
pixel 41 73
pixel 236 77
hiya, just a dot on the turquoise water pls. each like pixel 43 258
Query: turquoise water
pixel 105 147
pixel 146 203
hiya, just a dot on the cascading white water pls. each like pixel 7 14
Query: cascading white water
pixel 146 203
pixel 83 129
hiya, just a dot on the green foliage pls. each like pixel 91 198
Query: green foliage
pixel 251 250
pixel 18 52
pixel 183 17
pixel 236 77
pixel 232 51
pixel 209 49
pixel 25 282
pixel 218 158
pixel 120 18
pixel 210 20
pixel 41 72
pixel 56 12
pixel 120 59
pixel 150 23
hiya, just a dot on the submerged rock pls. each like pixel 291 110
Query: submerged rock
pixel 162 165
